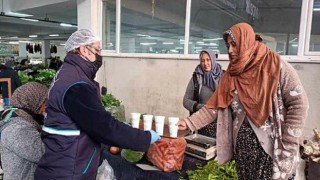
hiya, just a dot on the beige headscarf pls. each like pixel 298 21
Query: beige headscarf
pixel 255 76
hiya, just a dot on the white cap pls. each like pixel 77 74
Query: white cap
pixel 80 38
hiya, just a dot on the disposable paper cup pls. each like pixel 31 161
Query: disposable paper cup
pixel 147 122
pixel 159 124
pixel 173 130
pixel 135 123
pixel 135 120
pixel 173 120
pixel 135 115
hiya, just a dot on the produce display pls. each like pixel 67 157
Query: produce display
pixel 312 147
pixel 131 156
pixel 212 171
pixel 167 153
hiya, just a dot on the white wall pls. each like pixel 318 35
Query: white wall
pixel 157 86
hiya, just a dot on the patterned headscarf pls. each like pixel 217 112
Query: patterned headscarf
pixel 211 78
pixel 28 98
pixel 254 74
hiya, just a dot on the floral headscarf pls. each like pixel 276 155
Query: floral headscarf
pixel 28 99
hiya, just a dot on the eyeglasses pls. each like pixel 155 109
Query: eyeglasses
pixel 96 49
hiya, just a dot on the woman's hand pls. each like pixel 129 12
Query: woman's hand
pixel 182 125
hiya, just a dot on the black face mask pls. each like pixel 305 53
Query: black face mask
pixel 98 62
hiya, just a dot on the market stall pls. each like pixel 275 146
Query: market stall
pixel 144 169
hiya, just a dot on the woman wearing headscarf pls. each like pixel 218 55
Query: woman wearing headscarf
pixel 201 86
pixel 260 107
pixel 20 128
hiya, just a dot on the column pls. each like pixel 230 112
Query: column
pixel 22 49
pixel 45 52
pixel 89 15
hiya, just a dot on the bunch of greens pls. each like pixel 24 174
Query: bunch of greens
pixel 109 101
pixel 44 76
pixel 212 171
pixel 131 156
pixel 24 77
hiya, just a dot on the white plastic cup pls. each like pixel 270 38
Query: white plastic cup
pixel 159 120
pixel 173 120
pixel 173 130
pixel 135 120
pixel 147 122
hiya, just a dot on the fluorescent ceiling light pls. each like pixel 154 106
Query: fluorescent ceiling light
pixel 13 42
pixel 33 36
pixel 316 9
pixel 24 41
pixel 213 44
pixel 200 42
pixel 143 35
pixel 293 40
pixel 294 45
pixel 215 39
pixel 197 47
pixel 179 48
pixel 65 25
pixel 109 44
pixel 54 35
pixel 146 44
pixel 18 14
pixel 28 19
pixel 173 50
pixel 13 37
pixel 62 44
pixel 167 43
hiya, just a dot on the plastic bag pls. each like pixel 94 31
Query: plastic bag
pixel 105 172
pixel 167 153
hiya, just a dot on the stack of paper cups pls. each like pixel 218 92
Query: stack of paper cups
pixel 173 128
pixel 135 119
pixel 147 122
pixel 159 124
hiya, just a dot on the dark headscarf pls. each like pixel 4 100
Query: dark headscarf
pixel 211 78
pixel 28 98
pixel 255 75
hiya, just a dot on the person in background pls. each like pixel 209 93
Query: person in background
pixel 204 81
pixel 8 72
pixel 260 107
pixel 20 128
pixel 77 123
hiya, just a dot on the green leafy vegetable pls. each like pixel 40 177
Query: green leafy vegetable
pixel 212 171
pixel 109 100
pixel 131 156
pixel 24 77
pixel 44 76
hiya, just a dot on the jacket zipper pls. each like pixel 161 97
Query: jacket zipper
pixel 90 161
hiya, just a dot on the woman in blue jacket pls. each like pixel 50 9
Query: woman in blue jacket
pixel 76 122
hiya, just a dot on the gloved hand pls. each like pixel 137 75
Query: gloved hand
pixel 154 136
